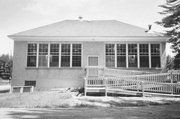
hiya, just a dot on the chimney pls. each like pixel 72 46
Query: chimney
pixel 80 18
pixel 149 28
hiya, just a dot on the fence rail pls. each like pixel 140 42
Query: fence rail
pixel 148 83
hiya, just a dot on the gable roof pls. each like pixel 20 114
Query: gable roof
pixel 95 28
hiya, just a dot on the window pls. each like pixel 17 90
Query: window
pixel 155 55
pixel 43 55
pixel 32 54
pixel 132 55
pixel 65 55
pixel 76 55
pixel 30 83
pixel 92 61
pixel 144 55
pixel 54 55
pixel 110 55
pixel 121 55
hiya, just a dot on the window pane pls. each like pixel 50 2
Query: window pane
pixel 132 60
pixel 65 61
pixel 76 55
pixel 54 55
pixel 110 61
pixel 76 61
pixel 43 61
pixel 144 61
pixel 65 49
pixel 110 55
pixel 43 55
pixel 54 61
pixel 121 49
pixel 30 83
pixel 32 49
pixel 31 61
pixel 31 55
pixel 65 55
pixel 76 49
pixel 54 49
pixel 121 61
pixel 144 55
pixel 132 55
pixel 43 49
pixel 155 61
pixel 155 55
pixel 121 55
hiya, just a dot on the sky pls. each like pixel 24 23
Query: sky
pixel 21 15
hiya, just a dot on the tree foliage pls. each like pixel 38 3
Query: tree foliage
pixel 6 66
pixel 171 22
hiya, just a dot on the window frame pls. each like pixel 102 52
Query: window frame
pixel 112 54
pixel 46 56
pixel 27 55
pixel 121 54
pixel 133 53
pixel 76 55
pixel 144 53
pixel 153 55
pixel 56 55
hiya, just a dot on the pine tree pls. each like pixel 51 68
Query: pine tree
pixel 171 22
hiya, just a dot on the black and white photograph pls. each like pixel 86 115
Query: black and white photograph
pixel 89 59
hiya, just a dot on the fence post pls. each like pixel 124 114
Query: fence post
pixel 11 89
pixel 142 88
pixel 21 89
pixel 32 89
pixel 105 83
pixel 85 86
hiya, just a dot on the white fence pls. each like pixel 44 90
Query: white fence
pixel 21 89
pixel 167 83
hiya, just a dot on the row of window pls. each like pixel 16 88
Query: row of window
pixel 132 55
pixel 51 54
pixel 69 55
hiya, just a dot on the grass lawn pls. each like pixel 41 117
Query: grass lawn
pixel 56 99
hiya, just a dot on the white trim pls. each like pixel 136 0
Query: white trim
pixel 71 50
pixel 115 56
pixel 37 58
pixel 59 55
pixel 48 65
pixel 160 48
pixel 104 54
pixel 138 58
pixel 90 38
pixel 127 62
pixel 27 54
pixel 149 49
pixel 82 55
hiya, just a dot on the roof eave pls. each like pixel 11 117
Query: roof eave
pixel 89 38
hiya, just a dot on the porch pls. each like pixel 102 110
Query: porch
pixel 128 82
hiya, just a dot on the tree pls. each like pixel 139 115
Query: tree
pixel 171 22
pixel 5 67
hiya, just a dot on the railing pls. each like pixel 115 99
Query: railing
pixel 94 81
pixel 166 83
pixel 132 83
pixel 21 89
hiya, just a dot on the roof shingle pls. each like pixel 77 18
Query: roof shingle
pixel 87 28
